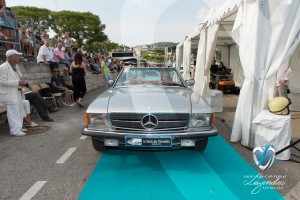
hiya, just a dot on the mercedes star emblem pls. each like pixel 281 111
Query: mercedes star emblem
pixel 149 121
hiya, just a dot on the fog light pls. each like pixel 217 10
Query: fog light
pixel 187 143
pixel 111 142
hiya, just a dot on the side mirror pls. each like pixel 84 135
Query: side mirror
pixel 110 82
pixel 190 82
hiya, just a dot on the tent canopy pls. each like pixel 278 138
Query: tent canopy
pixel 266 34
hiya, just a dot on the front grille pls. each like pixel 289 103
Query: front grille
pixel 133 121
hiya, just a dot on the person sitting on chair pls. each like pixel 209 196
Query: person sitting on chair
pixel 57 88
pixel 27 118
pixel 66 80
pixel 41 105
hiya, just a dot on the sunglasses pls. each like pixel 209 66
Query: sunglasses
pixel 56 71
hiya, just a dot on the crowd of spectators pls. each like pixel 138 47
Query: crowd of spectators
pixel 7 24
pixel 53 52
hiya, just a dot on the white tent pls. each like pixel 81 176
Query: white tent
pixel 267 33
pixel 184 56
pixel 207 45
pixel 179 55
pixel 187 45
pixel 215 27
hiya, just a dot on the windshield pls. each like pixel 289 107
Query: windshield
pixel 153 76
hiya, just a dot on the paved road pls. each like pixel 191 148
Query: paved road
pixel 57 164
pixel 36 160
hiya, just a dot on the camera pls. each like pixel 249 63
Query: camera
pixel 27 85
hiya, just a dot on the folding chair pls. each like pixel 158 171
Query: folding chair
pixel 50 98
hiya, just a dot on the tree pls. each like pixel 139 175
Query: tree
pixel 154 58
pixel 64 21
pixel 105 46
pixel 76 22
pixel 40 18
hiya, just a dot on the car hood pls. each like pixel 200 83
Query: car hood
pixel 149 99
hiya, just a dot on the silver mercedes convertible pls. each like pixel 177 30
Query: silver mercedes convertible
pixel 151 109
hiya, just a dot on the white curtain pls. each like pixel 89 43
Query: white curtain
pixel 211 43
pixel 200 62
pixel 236 66
pixel 224 55
pixel 268 34
pixel 179 55
pixel 206 50
pixel 187 45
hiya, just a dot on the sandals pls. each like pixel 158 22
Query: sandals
pixel 79 104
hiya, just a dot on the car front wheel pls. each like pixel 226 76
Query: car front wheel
pixel 98 145
pixel 201 145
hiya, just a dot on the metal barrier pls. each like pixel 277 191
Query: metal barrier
pixel 6 44
pixel 28 23
pixel 15 43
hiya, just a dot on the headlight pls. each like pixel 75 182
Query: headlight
pixel 200 120
pixel 97 120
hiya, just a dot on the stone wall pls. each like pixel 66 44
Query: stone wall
pixel 36 73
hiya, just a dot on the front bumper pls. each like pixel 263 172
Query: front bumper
pixel 176 136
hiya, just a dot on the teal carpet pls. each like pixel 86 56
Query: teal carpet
pixel 217 173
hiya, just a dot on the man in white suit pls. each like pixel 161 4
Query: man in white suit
pixel 10 92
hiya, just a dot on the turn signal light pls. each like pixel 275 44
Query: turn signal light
pixel 86 118
pixel 212 118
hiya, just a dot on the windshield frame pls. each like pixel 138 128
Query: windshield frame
pixel 140 76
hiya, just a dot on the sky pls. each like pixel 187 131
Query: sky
pixel 137 22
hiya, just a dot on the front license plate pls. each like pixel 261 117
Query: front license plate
pixel 148 141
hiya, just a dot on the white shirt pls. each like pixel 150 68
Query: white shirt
pixel 45 51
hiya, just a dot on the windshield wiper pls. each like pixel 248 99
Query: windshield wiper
pixel 170 84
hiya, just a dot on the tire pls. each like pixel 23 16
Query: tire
pixel 98 145
pixel 201 145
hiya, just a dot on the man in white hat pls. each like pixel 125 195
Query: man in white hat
pixel 10 91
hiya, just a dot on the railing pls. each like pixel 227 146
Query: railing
pixel 15 43
pixel 28 23
pixel 9 44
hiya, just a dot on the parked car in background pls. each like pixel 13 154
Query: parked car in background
pixel 149 108
pixel 128 58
